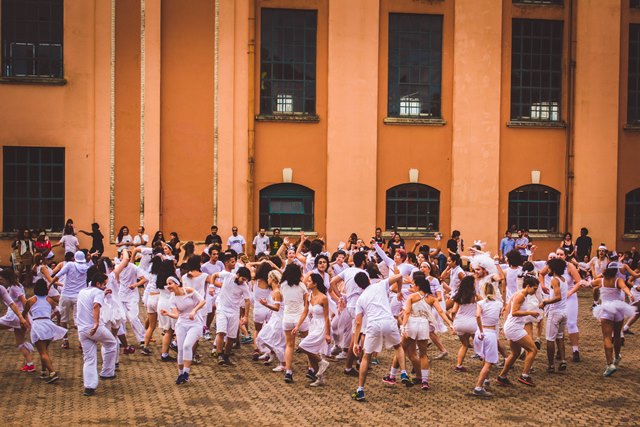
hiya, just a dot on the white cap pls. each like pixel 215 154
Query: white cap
pixel 80 257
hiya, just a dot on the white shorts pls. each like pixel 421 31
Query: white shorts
pixel 514 331
pixel 379 333
pixel 261 315
pixel 487 348
pixel 289 321
pixel 227 323
pixel 152 303
pixel 67 308
pixel 556 322
pixel 165 322
pixel 418 328
pixel 465 325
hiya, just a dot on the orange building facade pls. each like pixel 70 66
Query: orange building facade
pixel 329 116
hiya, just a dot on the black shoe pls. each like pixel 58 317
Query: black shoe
pixel 224 360
pixel 353 372
pixel 628 332
pixel 112 377
pixel 504 381
pixel 173 347
pixel 182 378
pixel 89 391
pixel 576 356
pixel 146 351
pixel 538 344
pixel 288 378
pixel 311 375
pixel 167 358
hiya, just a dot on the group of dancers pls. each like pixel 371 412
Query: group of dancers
pixel 340 306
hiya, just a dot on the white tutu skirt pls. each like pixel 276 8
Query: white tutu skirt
pixel 10 320
pixel 613 309
pixel 45 329
pixel 112 314
pixel 436 323
pixel 271 337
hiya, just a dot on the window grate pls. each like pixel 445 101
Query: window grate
pixel 286 206
pixel 633 102
pixel 535 208
pixel 536 70
pixel 32 38
pixel 288 61
pixel 635 4
pixel 413 207
pixel 415 65
pixel 632 212
pixel 33 188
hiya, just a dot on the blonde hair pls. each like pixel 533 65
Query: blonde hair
pixel 275 275
pixel 489 291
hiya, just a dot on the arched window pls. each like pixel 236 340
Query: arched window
pixel 413 207
pixel 535 208
pixel 632 212
pixel 286 206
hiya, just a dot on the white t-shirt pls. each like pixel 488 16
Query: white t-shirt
pixel 125 239
pixel 185 304
pixel 144 239
pixel 231 295
pixel 374 302
pixel 293 298
pixel 70 243
pixel 210 268
pixel 236 242
pixel 86 299
pixel 351 290
pixel 75 278
pixel 145 258
pixel 128 276
pixel 261 243
pixel 511 279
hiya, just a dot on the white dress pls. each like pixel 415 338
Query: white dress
pixel 10 320
pixel 112 313
pixel 315 342
pixel 271 336
pixel 465 320
pixel 612 306
pixel 42 328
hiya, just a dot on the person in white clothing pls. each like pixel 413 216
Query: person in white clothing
pixel 91 332
pixel 68 241
pixel 234 291
pixel 185 306
pixel 75 274
pixel 213 265
pixel 141 239
pixel 381 326
pixel 131 278
pixel 261 243
pixel 236 241
pixel 464 317
pixel 485 342
pixel 14 298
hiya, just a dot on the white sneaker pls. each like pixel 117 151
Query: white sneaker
pixel 442 355
pixel 322 367
pixel 264 356
pixel 342 356
pixel 486 383
pixel 610 370
pixel 319 382
pixel 279 368
pixel 616 360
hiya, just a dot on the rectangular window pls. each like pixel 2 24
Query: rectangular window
pixel 415 65
pixel 635 4
pixel 33 189
pixel 536 70
pixel 633 102
pixel 288 61
pixel 558 2
pixel 32 38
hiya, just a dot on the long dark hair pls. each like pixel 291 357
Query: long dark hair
pixel 466 291
pixel 262 273
pixel 165 270
pixel 292 275
pixel 422 283
pixel 121 233
pixel 319 282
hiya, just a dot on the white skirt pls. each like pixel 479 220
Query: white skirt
pixel 315 342
pixel 10 320
pixel 465 325
pixel 44 329
pixel 271 337
pixel 614 310
pixel 112 314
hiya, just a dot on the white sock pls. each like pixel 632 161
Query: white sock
pixel 403 372
pixel 289 371
pixel 165 354
pixel 575 348
pixel 393 372
pixel 186 370
pixel 425 374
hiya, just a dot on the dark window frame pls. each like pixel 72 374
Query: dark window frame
pixel 633 77
pixel 33 188
pixel 288 60
pixel 532 206
pixel 536 70
pixel 634 4
pixel 414 78
pixel 540 2
pixel 298 199
pixel 404 212
pixel 32 38
pixel 632 212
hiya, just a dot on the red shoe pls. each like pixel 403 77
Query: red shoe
pixel 129 350
pixel 28 368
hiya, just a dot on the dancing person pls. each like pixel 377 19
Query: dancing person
pixel 43 330
pixel 464 318
pixel 485 342
pixel 13 295
pixel 271 339
pixel 294 293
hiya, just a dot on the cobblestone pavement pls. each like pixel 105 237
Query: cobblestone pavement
pixel 144 392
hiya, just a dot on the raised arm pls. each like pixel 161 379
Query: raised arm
pixel 382 255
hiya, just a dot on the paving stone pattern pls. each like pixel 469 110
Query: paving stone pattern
pixel 145 394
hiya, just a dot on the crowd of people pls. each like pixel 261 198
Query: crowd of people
pixel 299 297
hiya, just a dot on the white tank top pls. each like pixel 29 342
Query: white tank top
pixel 420 308
pixel 41 308
pixel 490 312
pixel 197 283
pixel 611 294
pixel 560 306
pixel 454 280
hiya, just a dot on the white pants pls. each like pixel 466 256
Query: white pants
pixel 67 308
pixel 572 314
pixel 187 334
pixel 132 310
pixel 89 352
